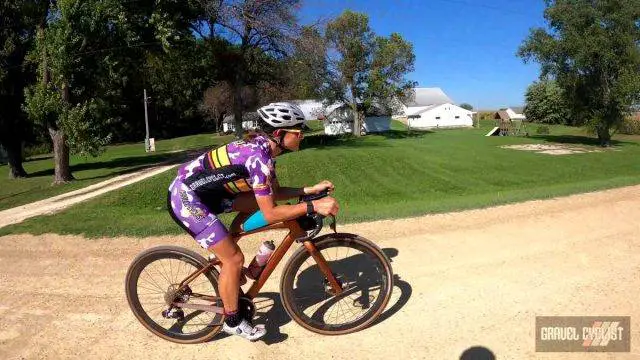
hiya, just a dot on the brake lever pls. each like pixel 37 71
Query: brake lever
pixel 332 225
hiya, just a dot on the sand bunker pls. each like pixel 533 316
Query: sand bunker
pixel 553 149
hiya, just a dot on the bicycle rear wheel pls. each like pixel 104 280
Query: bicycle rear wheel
pixel 363 271
pixel 151 285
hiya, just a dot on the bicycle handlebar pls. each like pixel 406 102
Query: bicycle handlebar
pixel 315 217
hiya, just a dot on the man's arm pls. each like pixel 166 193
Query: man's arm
pixel 286 193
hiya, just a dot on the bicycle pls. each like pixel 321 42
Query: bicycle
pixel 306 294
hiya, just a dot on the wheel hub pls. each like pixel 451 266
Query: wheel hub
pixel 327 286
pixel 174 294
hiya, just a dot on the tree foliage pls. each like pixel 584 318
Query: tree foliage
pixel 366 70
pixel 17 34
pixel 545 103
pixel 591 50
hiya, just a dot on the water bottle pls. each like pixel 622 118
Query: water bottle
pixel 260 260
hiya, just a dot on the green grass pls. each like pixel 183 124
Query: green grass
pixel 397 174
pixel 116 160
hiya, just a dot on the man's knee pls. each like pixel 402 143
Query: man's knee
pixel 237 259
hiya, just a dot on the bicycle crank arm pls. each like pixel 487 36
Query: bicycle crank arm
pixel 201 307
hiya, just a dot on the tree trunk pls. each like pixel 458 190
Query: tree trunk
pixel 14 155
pixel 62 172
pixel 60 147
pixel 356 116
pixel 61 156
pixel 219 123
pixel 604 135
pixel 237 106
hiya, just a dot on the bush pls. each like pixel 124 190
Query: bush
pixel 542 130
pixel 38 149
pixel 630 126
pixel 486 115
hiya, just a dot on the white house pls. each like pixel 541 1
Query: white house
pixel 340 121
pixel 440 116
pixel 249 122
pixel 312 109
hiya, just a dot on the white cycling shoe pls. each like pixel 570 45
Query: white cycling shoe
pixel 245 330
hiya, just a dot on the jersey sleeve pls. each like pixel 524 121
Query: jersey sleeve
pixel 261 173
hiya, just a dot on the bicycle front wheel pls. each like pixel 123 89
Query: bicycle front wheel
pixel 361 268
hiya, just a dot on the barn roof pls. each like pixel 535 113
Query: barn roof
pixel 428 97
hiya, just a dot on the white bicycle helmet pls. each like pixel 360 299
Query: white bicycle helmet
pixel 281 115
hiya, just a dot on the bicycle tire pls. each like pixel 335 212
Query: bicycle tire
pixel 131 288
pixel 301 255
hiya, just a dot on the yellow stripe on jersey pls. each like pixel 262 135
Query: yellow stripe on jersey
pixel 233 187
pixel 242 185
pixel 223 157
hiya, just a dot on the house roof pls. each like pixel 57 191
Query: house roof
pixel 247 116
pixel 502 115
pixel 423 109
pixel 428 97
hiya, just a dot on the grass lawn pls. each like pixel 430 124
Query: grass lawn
pixel 116 160
pixel 392 175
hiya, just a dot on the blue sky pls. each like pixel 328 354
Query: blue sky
pixel 465 47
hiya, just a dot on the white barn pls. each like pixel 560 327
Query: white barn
pixel 312 109
pixel 423 99
pixel 432 108
pixel 441 116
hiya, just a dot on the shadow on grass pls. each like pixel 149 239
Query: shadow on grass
pixel 349 140
pixel 132 163
pixel 577 140
pixel 404 134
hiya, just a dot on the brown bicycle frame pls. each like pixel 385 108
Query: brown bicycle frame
pixel 295 232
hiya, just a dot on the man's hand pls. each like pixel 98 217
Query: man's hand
pixel 319 187
pixel 326 206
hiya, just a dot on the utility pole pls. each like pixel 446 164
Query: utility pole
pixel 147 144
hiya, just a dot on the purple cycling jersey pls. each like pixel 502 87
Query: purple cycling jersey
pixel 207 185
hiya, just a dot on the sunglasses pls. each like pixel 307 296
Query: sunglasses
pixel 295 131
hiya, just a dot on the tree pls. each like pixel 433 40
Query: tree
pixel 176 80
pixel 71 35
pixel 258 34
pixel 17 33
pixel 307 67
pixel 592 52
pixel 545 103
pixel 219 101
pixel 466 106
pixel 365 70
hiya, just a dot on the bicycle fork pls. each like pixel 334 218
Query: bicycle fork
pixel 324 267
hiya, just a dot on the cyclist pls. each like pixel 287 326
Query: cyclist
pixel 240 177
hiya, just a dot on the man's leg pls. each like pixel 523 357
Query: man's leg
pixel 229 281
pixel 229 285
